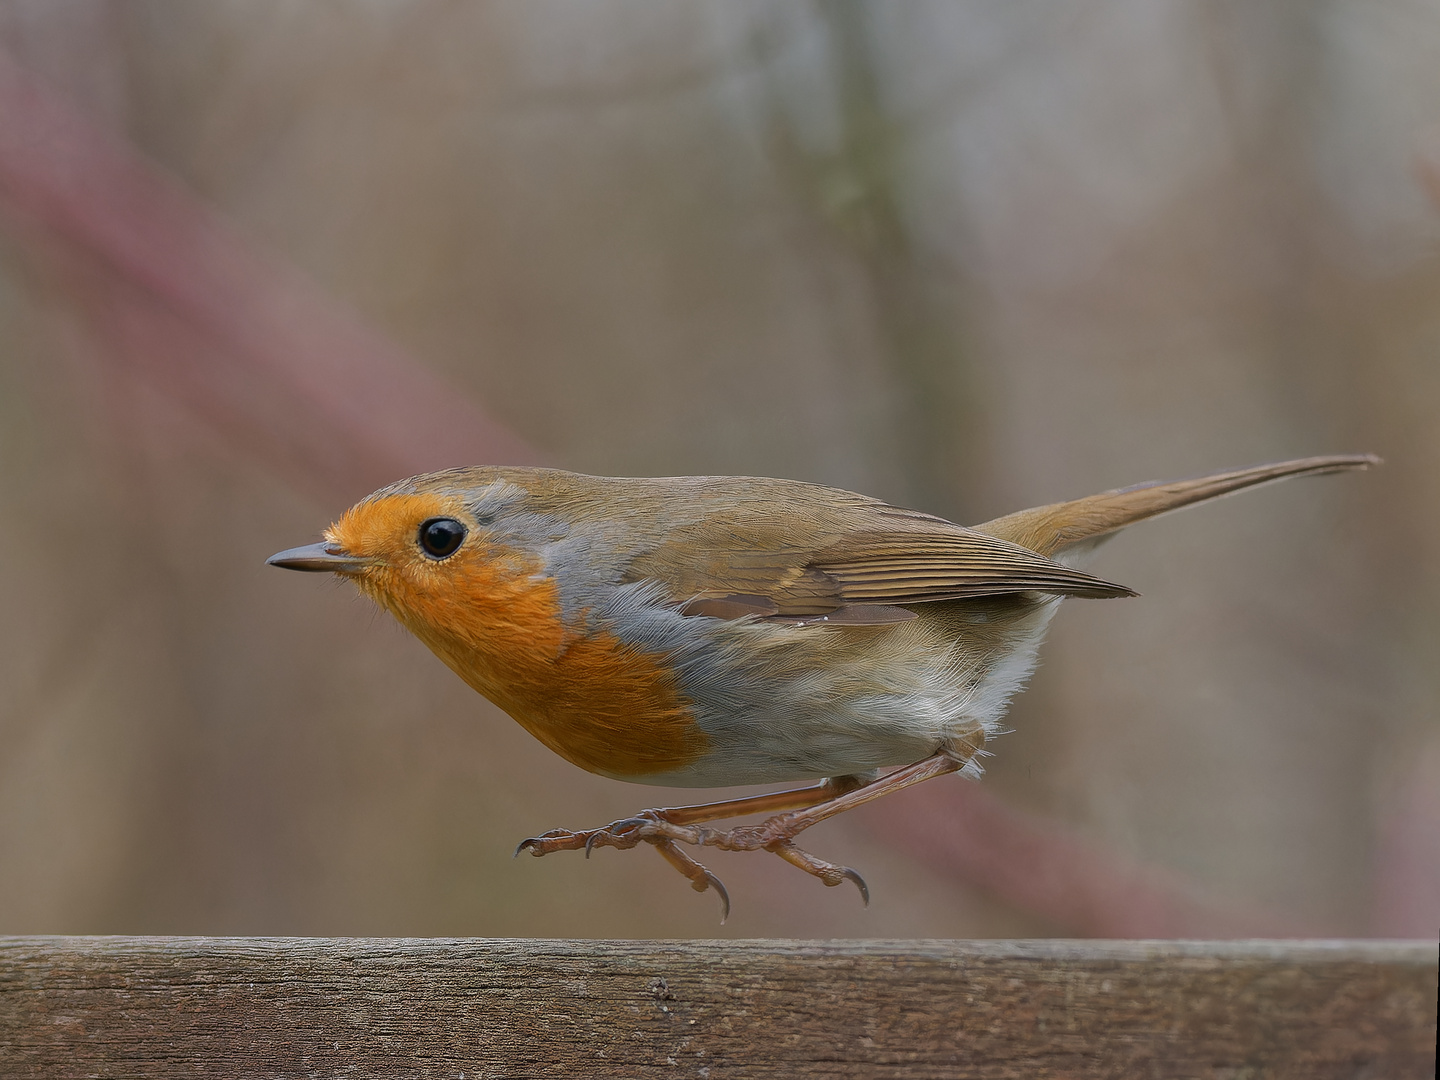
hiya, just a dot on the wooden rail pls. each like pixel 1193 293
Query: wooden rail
pixel 321 1007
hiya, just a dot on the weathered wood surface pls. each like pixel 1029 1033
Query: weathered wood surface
pixel 307 1007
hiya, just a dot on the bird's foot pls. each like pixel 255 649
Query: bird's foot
pixel 775 834
pixel 626 833
pixel 666 830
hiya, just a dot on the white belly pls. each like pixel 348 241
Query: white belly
pixel 785 703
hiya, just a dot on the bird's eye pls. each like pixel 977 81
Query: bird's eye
pixel 440 537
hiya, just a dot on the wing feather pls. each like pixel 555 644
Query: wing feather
pixel 912 568
pixel 907 560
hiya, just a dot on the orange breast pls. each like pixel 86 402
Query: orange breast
pixel 608 708
pixel 601 704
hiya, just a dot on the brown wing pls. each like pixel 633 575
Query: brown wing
pixel 950 565
pixel 812 564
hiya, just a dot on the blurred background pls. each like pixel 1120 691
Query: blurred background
pixel 259 257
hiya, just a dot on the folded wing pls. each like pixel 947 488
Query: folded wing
pixel 887 557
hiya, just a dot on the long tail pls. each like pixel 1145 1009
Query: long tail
pixel 1054 528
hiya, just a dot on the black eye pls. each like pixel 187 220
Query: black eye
pixel 440 537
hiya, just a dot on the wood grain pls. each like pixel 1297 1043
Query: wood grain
pixel 305 1007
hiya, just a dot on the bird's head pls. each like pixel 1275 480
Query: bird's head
pixel 435 564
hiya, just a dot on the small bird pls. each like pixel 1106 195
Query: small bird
pixel 705 631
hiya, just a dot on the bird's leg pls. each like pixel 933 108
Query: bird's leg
pixel 627 832
pixel 769 803
pixel 793 812
pixel 777 833
pixel 618 831
pixel 786 826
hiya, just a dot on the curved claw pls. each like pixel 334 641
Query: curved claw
pixel 713 882
pixel 851 875
pixel 616 830
pixel 625 824
pixel 701 878
pixel 554 840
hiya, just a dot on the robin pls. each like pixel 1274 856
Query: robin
pixel 708 631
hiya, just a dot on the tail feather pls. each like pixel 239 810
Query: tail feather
pixel 1054 528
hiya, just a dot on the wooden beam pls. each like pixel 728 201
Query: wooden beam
pixel 395 1007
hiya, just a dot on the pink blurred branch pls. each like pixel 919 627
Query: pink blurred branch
pixel 1427 163
pixel 1041 867
pixel 241 338
pixel 1406 874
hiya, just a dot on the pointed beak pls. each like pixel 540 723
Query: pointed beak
pixel 317 558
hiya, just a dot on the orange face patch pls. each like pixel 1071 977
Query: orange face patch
pixel 489 613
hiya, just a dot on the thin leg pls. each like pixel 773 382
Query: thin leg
pixel 792 812
pixel 780 830
pixel 787 826
pixel 768 803
pixel 627 832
